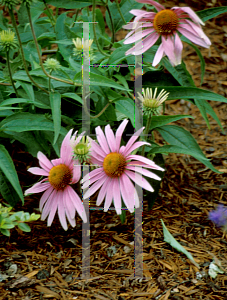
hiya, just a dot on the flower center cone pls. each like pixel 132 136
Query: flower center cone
pixel 60 176
pixel 114 164
pixel 166 22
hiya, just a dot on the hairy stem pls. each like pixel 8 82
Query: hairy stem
pixel 146 132
pixel 119 10
pixel 10 73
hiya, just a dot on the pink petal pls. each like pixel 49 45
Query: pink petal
pixel 143 171
pixel 119 133
pixel 110 138
pixel 144 45
pixel 44 162
pixel 97 150
pixel 135 38
pixel 38 171
pixel 132 139
pixel 102 140
pixel 97 177
pixel 45 197
pixel 158 56
pixel 109 197
pixel 154 3
pixel 92 174
pixel 102 192
pixel 135 146
pixel 117 195
pixel 190 12
pixel 57 161
pixel 198 32
pixel 95 187
pixel 38 187
pixel 168 45
pixel 47 208
pixel 66 149
pixel 61 211
pixel 178 49
pixel 127 192
pixel 146 161
pixel 195 39
pixel 77 202
pixel 54 205
pixel 76 172
pixel 72 221
pixel 137 179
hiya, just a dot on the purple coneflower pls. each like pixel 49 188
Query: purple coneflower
pixel 167 24
pixel 59 196
pixel 117 167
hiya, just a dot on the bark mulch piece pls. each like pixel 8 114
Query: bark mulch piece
pixel 46 263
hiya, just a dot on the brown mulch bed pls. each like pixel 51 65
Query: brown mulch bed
pixel 46 263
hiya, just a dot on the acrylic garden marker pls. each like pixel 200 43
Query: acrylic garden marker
pixel 167 24
pixel 59 196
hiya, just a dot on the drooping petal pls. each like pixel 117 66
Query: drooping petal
pixel 38 187
pixel 61 210
pixel 178 47
pixel 190 12
pixel 168 45
pixel 143 171
pixel 127 192
pixel 38 171
pixel 191 36
pixel 95 187
pixel 76 172
pixel 137 37
pixel 77 204
pixel 146 161
pixel 102 192
pixel 158 55
pixel 139 180
pixel 109 197
pixel 92 180
pixel 45 197
pixel 92 174
pixel 54 206
pixel 47 207
pixel 117 195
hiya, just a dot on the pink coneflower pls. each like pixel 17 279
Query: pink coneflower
pixel 167 23
pixel 59 195
pixel 117 167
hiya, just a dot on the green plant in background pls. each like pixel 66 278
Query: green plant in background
pixel 10 219
pixel 41 80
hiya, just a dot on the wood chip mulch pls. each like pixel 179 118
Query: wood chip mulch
pixel 46 263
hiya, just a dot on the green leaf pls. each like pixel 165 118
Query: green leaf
pixel 179 137
pixel 25 121
pixel 7 226
pixel 96 79
pixel 179 72
pixel 157 121
pixel 7 167
pixel 73 96
pixel 55 104
pixel 11 101
pixel 109 113
pixel 168 238
pixel 5 232
pixel 7 191
pixel 24 227
pixel 100 20
pixel 210 13
pixel 202 61
pixel 127 107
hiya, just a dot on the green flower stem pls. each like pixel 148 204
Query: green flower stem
pixel 119 10
pixel 93 24
pixel 22 51
pixel 99 114
pixel 10 73
pixel 40 58
pixel 146 132
pixel 3 83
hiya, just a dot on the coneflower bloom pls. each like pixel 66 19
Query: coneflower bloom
pixel 117 167
pixel 59 196
pixel 167 24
